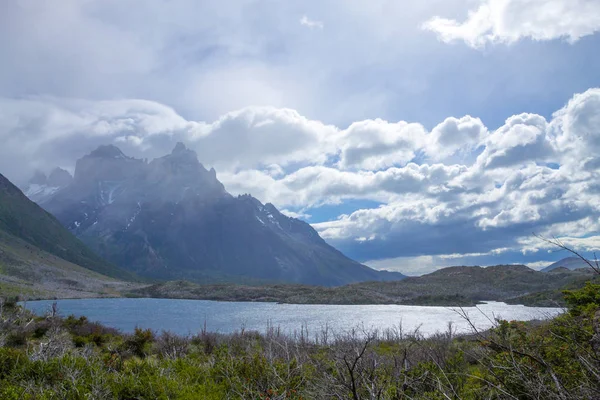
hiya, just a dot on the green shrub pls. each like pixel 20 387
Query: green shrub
pixel 139 343
pixel 10 359
pixel 584 300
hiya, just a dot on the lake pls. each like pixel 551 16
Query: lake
pixel 189 316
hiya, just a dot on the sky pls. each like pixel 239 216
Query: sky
pixel 412 135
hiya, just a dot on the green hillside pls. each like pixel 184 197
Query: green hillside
pixel 25 220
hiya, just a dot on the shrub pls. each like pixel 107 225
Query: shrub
pixel 139 343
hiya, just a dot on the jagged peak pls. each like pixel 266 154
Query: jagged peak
pixel 38 178
pixel 108 151
pixel 179 148
pixel 271 208
pixel 59 177
pixel 59 170
pixel 183 156
pixel 180 151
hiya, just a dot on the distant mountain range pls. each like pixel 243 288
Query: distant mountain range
pixel 172 219
pixel 571 263
pixel 452 286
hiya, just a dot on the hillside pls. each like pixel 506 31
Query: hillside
pixel 31 273
pixel 40 258
pixel 454 286
pixel 23 219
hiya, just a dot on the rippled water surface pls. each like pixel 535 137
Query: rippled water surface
pixel 189 316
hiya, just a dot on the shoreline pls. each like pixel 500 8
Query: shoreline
pixel 475 304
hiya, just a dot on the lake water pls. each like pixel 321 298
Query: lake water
pixel 189 316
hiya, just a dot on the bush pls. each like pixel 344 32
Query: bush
pixel 585 300
pixel 9 360
pixel 139 343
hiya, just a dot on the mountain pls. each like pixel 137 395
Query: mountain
pixel 41 188
pixel 571 263
pixel 172 219
pixel 39 257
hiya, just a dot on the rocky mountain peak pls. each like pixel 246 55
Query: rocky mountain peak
pixel 59 178
pixel 38 178
pixel 106 163
pixel 183 156
pixel 179 148
pixel 41 188
pixel 181 170
pixel 107 151
pixel 269 207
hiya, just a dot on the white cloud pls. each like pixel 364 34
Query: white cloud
pixel 410 266
pixel 586 244
pixel 539 265
pixel 529 175
pixel 356 117
pixel 574 130
pixel 456 135
pixel 312 24
pixel 293 214
pixel 507 21
pixel 261 136
pixel 419 265
pixel 206 58
pixel 317 185
pixel 376 144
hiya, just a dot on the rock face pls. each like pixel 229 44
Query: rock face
pixel 172 219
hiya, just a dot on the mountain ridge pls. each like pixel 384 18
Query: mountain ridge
pixel 171 218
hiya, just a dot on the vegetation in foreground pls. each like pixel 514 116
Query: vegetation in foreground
pixel 71 358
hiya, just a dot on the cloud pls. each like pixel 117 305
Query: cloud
pixel 397 145
pixel 574 130
pixel 539 265
pixel 293 214
pixel 456 135
pixel 376 144
pixel 460 189
pixel 419 265
pixel 508 21
pixel 521 139
pixel 312 24
pixel 205 59
pixel 582 244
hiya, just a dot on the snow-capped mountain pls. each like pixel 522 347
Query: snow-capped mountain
pixel 172 219
pixel 41 188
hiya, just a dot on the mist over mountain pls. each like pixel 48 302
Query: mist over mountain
pixel 171 218
pixel 41 187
